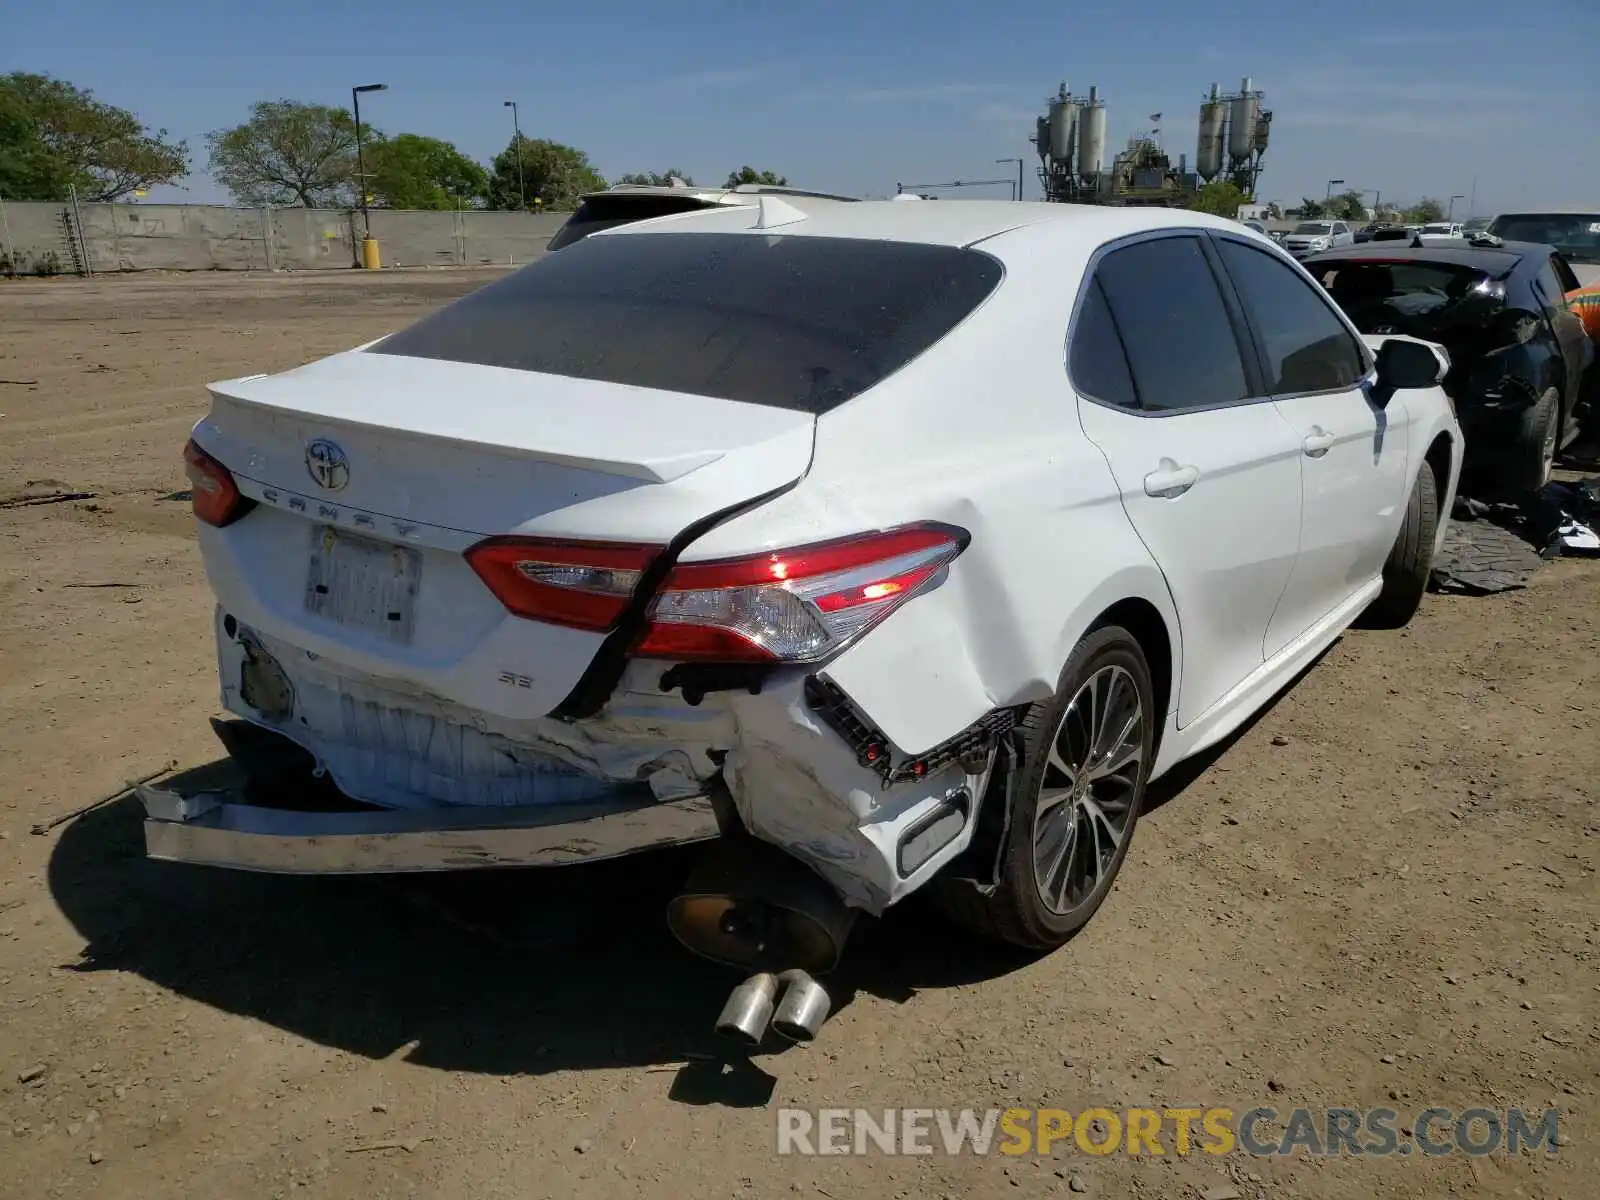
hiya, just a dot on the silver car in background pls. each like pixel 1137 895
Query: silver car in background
pixel 1313 237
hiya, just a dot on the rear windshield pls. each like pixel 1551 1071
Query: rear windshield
pixel 1576 235
pixel 1404 297
pixel 802 323
pixel 602 212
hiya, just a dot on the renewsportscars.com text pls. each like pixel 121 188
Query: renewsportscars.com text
pixel 1262 1131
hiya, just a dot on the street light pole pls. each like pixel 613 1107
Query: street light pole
pixel 369 248
pixel 1451 210
pixel 516 129
pixel 1018 161
pixel 1332 183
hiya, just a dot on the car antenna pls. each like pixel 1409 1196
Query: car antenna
pixel 774 212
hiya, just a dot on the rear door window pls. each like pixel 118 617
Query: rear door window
pixel 1098 364
pixel 790 322
pixel 1180 341
pixel 1305 346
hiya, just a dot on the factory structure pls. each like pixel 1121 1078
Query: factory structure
pixel 1071 141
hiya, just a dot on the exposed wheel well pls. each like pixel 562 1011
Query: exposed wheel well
pixel 1438 458
pixel 1143 620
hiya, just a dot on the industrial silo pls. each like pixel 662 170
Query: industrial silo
pixel 1242 125
pixel 1092 134
pixel 1063 126
pixel 1208 159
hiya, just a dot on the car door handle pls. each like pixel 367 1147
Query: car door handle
pixel 1318 442
pixel 1169 481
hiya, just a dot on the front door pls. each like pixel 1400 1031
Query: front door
pixel 1209 477
pixel 1352 454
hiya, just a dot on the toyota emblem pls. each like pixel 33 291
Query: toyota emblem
pixel 327 464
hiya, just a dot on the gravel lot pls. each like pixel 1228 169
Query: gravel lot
pixel 1383 893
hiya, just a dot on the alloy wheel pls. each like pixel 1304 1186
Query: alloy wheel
pixel 1088 788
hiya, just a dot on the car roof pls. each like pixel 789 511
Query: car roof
pixel 948 223
pixel 1497 261
pixel 1550 210
pixel 743 194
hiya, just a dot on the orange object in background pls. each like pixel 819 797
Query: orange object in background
pixel 1585 302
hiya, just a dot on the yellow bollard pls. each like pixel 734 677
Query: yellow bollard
pixel 369 254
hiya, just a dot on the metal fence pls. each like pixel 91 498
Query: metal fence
pixel 74 238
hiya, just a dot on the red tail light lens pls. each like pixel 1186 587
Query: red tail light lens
pixel 212 490
pixel 794 605
pixel 582 585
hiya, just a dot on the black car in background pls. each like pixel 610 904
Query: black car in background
pixel 1574 232
pixel 1518 353
pixel 1380 231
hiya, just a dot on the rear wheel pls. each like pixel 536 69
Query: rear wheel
pixel 1405 575
pixel 1534 443
pixel 1087 758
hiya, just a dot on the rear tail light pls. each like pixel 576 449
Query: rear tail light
pixel 782 606
pixel 212 491
pixel 794 605
pixel 582 585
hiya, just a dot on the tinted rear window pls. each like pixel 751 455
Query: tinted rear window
pixel 789 322
pixel 1415 297
pixel 604 212
pixel 1576 235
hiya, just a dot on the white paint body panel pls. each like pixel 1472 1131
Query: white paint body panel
pixel 983 431
pixel 1352 459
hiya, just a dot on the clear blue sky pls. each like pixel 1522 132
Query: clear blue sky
pixel 1410 97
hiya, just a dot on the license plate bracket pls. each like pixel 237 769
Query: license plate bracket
pixel 362 583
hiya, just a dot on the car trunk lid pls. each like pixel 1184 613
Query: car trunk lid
pixel 489 450
pixel 374 473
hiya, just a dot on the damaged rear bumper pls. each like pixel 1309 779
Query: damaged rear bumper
pixel 216 829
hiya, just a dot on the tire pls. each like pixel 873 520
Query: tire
pixel 1108 668
pixel 1405 575
pixel 1535 440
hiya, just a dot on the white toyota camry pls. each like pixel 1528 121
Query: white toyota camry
pixel 888 543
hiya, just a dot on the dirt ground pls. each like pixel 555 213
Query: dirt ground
pixel 1383 893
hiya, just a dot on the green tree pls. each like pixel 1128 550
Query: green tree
pixel 1220 197
pixel 1425 210
pixel 27 169
pixel 748 174
pixel 1310 210
pixel 289 154
pixel 657 178
pixel 54 136
pixel 412 171
pixel 552 175
pixel 1347 206
pixel 1274 211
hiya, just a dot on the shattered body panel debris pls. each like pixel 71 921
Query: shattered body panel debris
pixel 793 781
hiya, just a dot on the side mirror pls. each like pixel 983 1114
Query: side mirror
pixel 1408 364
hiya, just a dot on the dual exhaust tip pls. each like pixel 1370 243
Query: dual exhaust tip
pixel 751 906
pixel 792 1004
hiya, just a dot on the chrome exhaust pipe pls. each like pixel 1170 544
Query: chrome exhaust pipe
pixel 749 1009
pixel 803 1008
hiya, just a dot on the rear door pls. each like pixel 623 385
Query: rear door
pixel 1553 281
pixel 1352 453
pixel 1209 472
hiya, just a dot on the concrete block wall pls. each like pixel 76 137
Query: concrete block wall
pixel 206 237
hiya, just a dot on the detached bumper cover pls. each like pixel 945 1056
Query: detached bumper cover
pixel 213 829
